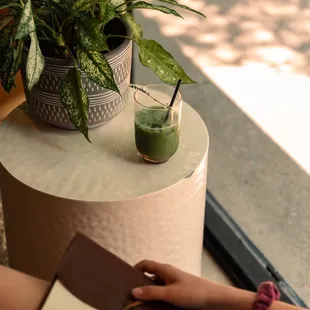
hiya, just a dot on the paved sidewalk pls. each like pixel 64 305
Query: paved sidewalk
pixel 251 59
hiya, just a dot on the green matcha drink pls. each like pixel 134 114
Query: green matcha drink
pixel 157 122
pixel 157 139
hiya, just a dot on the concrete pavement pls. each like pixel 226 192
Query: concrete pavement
pixel 251 59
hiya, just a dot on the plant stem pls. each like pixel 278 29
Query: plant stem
pixel 52 31
pixel 56 18
pixel 43 23
pixel 53 16
pixel 45 35
pixel 6 22
pixel 94 10
pixel 119 36
pixel 127 1
pixel 120 5
pixel 11 6
pixel 68 49
pixel 64 22
pixel 148 94
pixel 54 34
pixel 44 39
pixel 123 11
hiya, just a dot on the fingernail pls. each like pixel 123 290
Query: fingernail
pixel 137 292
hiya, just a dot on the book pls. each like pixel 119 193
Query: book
pixel 89 277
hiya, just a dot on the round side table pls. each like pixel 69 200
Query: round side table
pixel 54 183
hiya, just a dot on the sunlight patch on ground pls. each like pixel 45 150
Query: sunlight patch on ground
pixel 278 102
pixel 258 53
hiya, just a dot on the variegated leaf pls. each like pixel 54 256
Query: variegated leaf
pixel 173 2
pixel 91 35
pixel 6 67
pixel 5 38
pixel 107 11
pixel 11 65
pixel 5 35
pixel 137 32
pixel 146 5
pixel 35 62
pixel 18 53
pixel 75 100
pixel 82 5
pixel 154 56
pixel 97 68
pixel 26 23
pixel 116 3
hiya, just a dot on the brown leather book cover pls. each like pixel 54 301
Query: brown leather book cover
pixel 91 278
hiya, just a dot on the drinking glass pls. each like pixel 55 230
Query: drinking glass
pixel 157 126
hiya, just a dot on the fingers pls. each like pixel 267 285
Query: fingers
pixel 151 293
pixel 165 272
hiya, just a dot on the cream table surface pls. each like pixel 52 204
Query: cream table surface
pixel 55 183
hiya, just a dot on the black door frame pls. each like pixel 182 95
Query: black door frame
pixel 236 254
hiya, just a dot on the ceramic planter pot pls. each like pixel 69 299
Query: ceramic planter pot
pixel 44 98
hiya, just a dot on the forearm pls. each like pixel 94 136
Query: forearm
pixel 232 298
pixel 19 291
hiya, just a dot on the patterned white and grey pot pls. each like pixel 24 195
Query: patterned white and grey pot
pixel 44 99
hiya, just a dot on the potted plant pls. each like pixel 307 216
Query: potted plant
pixel 75 56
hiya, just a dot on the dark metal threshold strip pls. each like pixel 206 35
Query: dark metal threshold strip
pixel 239 258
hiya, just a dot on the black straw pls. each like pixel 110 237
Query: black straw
pixel 175 93
pixel 173 98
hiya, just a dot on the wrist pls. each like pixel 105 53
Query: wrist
pixel 228 297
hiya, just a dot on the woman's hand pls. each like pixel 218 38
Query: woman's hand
pixel 187 291
pixel 181 289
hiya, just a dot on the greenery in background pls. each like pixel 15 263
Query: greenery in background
pixel 75 29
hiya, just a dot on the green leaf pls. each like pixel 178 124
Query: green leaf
pixel 97 68
pixel 145 5
pixel 18 53
pixel 5 40
pixel 154 56
pixel 35 62
pixel 137 32
pixel 107 11
pixel 91 35
pixel 116 3
pixel 11 65
pixel 173 2
pixel 26 24
pixel 75 100
pixel 5 35
pixel 6 68
pixel 6 52
pixel 82 5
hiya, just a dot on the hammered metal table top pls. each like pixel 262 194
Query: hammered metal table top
pixel 63 164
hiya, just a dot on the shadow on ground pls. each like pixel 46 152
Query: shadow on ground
pixel 238 33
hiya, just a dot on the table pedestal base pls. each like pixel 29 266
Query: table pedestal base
pixel 166 226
